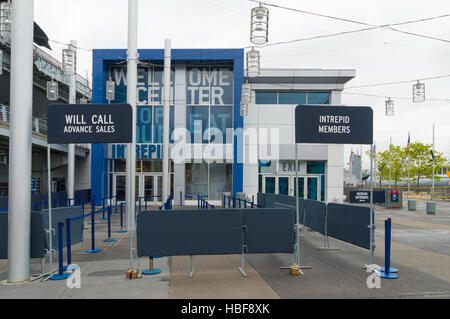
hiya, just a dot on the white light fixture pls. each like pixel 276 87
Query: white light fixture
pixel 418 92
pixel 253 63
pixel 110 90
pixel 246 96
pixel 5 20
pixel 244 109
pixel 259 25
pixel 69 60
pixel 83 100
pixel 389 107
pixel 52 90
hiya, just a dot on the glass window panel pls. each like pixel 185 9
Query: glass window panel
pixel 266 98
pixel 318 98
pixel 301 185
pixel 312 188
pixel 270 185
pixel 158 127
pixel 144 124
pixel 221 119
pixel 283 185
pixel 313 167
pixel 220 180
pixel 196 179
pixel 152 165
pixel 119 165
pixel 209 86
pixel 197 123
pixel 292 98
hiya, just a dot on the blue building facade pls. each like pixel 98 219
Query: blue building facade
pixel 205 100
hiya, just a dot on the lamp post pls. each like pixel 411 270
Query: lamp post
pixel 69 58
pixel 259 25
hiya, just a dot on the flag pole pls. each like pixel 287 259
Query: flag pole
pixel 409 162
pixel 432 183
pixel 390 160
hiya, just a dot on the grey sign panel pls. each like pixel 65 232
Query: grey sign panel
pixel 89 123
pixel 189 232
pixel 315 215
pixel 333 124
pixel 349 223
pixel 37 235
pixel 59 215
pixel 269 230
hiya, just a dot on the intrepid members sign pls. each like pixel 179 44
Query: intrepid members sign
pixel 89 123
pixel 333 124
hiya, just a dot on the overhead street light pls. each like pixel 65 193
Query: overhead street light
pixel 52 90
pixel 418 92
pixel 110 90
pixel 253 63
pixel 389 107
pixel 259 25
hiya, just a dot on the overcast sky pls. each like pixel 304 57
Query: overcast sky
pixel 376 55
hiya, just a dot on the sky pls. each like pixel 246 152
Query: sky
pixel 378 56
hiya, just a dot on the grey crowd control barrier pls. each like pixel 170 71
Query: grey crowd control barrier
pixel 269 230
pixel 189 232
pixel 59 215
pixel 315 212
pixel 37 235
pixel 215 232
pixel 349 223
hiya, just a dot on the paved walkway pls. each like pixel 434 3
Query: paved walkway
pixel 419 249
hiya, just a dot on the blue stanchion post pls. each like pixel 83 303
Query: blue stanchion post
pixel 60 275
pixel 229 202
pixel 109 239
pixel 93 250
pixel 121 230
pixel 68 242
pixel 387 271
pixel 103 212
pixel 151 270
pixel 181 198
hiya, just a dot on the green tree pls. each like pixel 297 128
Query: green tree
pixel 394 157
pixel 422 161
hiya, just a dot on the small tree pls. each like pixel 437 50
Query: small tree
pixel 395 157
pixel 422 161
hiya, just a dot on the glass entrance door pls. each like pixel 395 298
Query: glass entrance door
pixel 309 186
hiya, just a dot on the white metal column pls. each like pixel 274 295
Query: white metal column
pixel 71 147
pixel 21 102
pixel 166 121
pixel 132 57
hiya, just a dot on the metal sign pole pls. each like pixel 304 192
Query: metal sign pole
pixel 297 221
pixel 50 229
pixel 372 244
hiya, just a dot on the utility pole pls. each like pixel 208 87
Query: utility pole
pixel 132 57
pixel 165 160
pixel 71 147
pixel 21 102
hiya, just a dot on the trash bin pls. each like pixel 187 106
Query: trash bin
pixel 431 208
pixel 411 204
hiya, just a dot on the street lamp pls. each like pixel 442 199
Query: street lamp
pixel 259 25
pixel 52 90
pixel 389 107
pixel 253 63
pixel 69 60
pixel 418 92
pixel 245 98
pixel 110 90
